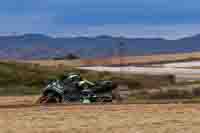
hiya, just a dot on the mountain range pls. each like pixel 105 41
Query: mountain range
pixel 39 46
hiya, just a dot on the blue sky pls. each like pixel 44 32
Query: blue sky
pixel 132 18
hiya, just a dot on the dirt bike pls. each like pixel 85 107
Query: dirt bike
pixel 57 91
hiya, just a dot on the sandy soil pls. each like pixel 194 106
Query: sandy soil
pixel 180 73
pixel 182 64
pixel 17 100
pixel 171 118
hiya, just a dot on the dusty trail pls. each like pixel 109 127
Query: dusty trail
pixel 108 118
pixel 26 102
pixel 137 118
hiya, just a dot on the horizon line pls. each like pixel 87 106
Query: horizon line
pixel 91 36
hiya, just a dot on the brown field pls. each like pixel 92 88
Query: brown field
pixel 130 60
pixel 141 118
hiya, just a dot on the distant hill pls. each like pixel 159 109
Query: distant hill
pixel 37 46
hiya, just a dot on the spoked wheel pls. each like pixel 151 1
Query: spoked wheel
pixel 41 99
pixel 48 99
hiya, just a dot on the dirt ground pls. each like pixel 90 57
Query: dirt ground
pixel 141 118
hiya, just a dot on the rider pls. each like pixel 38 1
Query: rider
pixel 77 79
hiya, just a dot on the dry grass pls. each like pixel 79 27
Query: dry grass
pixel 54 63
pixel 135 60
pixel 172 118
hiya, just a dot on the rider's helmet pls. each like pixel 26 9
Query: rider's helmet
pixel 72 77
